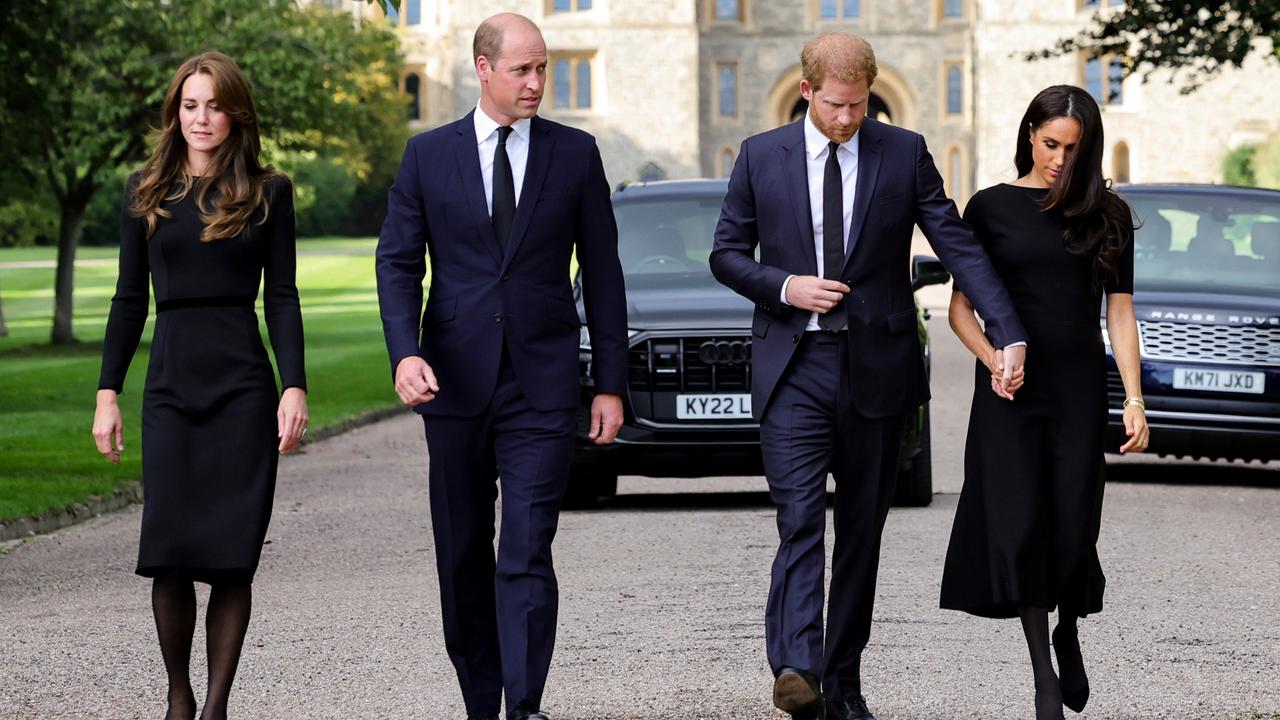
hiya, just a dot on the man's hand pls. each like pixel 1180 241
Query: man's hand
pixel 996 364
pixel 606 418
pixel 415 382
pixel 1015 356
pixel 815 294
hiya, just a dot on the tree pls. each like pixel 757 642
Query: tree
pixel 81 83
pixel 1195 37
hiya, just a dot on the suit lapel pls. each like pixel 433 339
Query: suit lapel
pixel 869 156
pixel 540 146
pixel 796 167
pixel 468 156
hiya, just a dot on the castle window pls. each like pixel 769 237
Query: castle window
pixel 571 81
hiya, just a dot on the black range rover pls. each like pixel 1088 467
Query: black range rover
pixel 689 407
pixel 1207 298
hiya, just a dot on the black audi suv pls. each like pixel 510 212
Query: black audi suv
pixel 1207 297
pixel 688 412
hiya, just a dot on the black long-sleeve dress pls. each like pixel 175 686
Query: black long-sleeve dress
pixel 1027 522
pixel 209 432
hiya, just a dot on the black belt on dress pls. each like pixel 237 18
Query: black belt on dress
pixel 203 302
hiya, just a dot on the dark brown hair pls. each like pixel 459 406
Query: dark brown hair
pixel 1098 222
pixel 234 177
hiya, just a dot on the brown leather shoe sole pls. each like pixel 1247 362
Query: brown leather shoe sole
pixel 791 694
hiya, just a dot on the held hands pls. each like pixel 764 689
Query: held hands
pixel 415 382
pixel 815 294
pixel 291 418
pixel 1007 370
pixel 108 429
pixel 606 418
pixel 1135 426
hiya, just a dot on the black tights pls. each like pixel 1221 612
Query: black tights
pixel 173 599
pixel 1035 625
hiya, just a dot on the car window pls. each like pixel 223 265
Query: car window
pixel 1211 240
pixel 666 235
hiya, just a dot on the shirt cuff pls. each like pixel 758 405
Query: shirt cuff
pixel 1023 343
pixel 785 283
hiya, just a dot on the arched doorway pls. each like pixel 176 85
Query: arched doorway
pixel 891 99
pixel 876 108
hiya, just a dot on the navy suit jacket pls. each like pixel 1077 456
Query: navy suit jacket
pixel 898 187
pixel 481 298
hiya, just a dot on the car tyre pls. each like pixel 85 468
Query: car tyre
pixel 588 486
pixel 915 480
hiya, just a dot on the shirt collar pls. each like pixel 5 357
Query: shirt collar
pixel 815 143
pixel 486 127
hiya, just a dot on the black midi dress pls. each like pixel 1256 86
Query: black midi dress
pixel 209 432
pixel 1026 526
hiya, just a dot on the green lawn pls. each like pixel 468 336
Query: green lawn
pixel 47 455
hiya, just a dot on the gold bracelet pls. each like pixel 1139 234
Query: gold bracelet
pixel 1134 401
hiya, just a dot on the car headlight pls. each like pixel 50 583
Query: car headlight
pixel 584 337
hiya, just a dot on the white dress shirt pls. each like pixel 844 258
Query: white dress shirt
pixel 816 147
pixel 517 152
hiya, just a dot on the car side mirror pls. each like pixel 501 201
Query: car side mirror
pixel 927 270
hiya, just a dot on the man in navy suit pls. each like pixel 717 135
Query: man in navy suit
pixel 830 202
pixel 500 200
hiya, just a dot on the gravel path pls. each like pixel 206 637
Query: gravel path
pixel 663 596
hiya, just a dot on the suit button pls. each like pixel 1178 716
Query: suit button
pixel 497 317
pixel 795 338
pixel 505 277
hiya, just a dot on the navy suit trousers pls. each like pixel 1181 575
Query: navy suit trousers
pixel 499 615
pixel 810 428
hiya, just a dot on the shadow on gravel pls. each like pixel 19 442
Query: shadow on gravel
pixel 1191 472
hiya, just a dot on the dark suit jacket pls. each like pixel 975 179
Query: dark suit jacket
pixel 480 298
pixel 898 187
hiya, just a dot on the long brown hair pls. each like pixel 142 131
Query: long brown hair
pixel 1098 222
pixel 234 176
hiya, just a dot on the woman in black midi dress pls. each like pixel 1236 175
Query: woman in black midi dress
pixel 204 224
pixel 1026 527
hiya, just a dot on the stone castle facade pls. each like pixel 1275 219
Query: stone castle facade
pixel 671 87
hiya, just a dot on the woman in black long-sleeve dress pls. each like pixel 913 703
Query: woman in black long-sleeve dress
pixel 204 223
pixel 1026 527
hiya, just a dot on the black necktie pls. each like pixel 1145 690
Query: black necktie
pixel 504 191
pixel 832 234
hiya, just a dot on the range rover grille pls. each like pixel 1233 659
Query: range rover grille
pixel 1230 344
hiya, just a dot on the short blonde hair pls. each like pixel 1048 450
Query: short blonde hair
pixel 844 56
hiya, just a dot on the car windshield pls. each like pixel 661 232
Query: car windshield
pixel 666 236
pixel 1210 241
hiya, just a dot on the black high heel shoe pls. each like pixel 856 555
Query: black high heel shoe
pixel 1072 678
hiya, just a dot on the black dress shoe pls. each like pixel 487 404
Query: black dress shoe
pixel 483 717
pixel 796 692
pixel 851 709
pixel 1072 678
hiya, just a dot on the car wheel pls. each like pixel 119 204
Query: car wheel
pixel 915 480
pixel 588 486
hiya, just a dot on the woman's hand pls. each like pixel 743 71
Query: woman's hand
pixel 291 418
pixel 1135 426
pixel 108 428
pixel 995 364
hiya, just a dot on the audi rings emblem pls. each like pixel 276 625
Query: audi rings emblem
pixel 725 352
